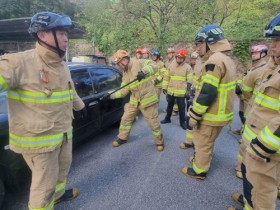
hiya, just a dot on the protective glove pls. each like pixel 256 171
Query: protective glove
pixel 192 123
pixel 164 91
pixel 256 152
pixel 105 97
pixel 155 81
pixel 83 113
pixel 238 90
pixel 141 75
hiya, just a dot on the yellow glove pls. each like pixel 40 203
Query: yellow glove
pixel 193 122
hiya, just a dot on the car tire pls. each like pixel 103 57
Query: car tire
pixel 2 192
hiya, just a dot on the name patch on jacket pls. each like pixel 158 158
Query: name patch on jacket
pixel 210 67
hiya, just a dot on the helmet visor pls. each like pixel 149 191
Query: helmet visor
pixel 63 22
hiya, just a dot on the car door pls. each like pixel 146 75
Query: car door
pixel 107 79
pixel 84 127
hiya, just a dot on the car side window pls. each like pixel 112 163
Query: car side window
pixel 105 79
pixel 83 83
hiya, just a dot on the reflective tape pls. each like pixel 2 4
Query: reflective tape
pixel 3 84
pixel 61 186
pixel 40 97
pixel 35 142
pixel 269 138
pixel 267 101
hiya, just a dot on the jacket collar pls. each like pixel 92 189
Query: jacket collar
pixel 49 57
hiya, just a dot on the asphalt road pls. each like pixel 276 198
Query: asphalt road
pixel 137 177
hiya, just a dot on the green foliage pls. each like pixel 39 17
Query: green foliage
pixel 26 8
pixel 241 50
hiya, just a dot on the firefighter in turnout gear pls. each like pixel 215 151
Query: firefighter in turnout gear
pixel 214 98
pixel 174 85
pixel 170 52
pixel 41 99
pixel 143 96
pixel 246 89
pixel 145 53
pixel 261 161
pixel 158 77
pixel 258 59
pixel 138 53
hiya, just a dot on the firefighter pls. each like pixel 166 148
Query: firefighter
pixel 174 86
pixel 145 53
pixel 214 98
pixel 190 93
pixel 158 77
pixel 246 89
pixel 170 52
pixel 143 96
pixel 41 98
pixel 258 59
pixel 138 53
pixel 261 161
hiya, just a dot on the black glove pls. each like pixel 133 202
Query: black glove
pixel 238 90
pixel 164 91
pixel 141 75
pixel 105 97
pixel 83 113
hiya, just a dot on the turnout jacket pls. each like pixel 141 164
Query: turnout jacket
pixel 253 77
pixel 41 98
pixel 214 98
pixel 142 93
pixel 265 112
pixel 176 78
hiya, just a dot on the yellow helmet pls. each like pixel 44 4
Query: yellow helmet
pixel 119 55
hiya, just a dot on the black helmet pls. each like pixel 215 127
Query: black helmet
pixel 210 33
pixel 43 21
pixel 273 28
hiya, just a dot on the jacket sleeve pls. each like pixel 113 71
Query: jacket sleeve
pixel 78 103
pixel 8 78
pixel 247 85
pixel 166 79
pixel 149 67
pixel 208 91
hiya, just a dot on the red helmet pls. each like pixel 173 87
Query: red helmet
pixel 259 48
pixel 138 50
pixel 145 51
pixel 170 50
pixel 182 53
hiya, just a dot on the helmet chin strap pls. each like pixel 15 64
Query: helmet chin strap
pixel 60 52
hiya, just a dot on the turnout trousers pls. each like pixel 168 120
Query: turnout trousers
pixel 260 183
pixel 49 173
pixel 150 114
pixel 203 139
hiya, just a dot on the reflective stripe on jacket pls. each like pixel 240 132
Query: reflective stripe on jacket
pixel 40 112
pixel 142 93
pixel 221 78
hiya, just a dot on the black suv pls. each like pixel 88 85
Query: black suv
pixel 91 82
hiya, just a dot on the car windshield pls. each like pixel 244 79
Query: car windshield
pixel 3 103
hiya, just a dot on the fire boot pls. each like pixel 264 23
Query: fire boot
pixel 165 121
pixel 185 145
pixel 118 142
pixel 68 195
pixel 237 198
pixel 191 159
pixel 160 147
pixel 191 173
pixel 239 174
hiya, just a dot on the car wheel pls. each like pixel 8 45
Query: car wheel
pixel 2 192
